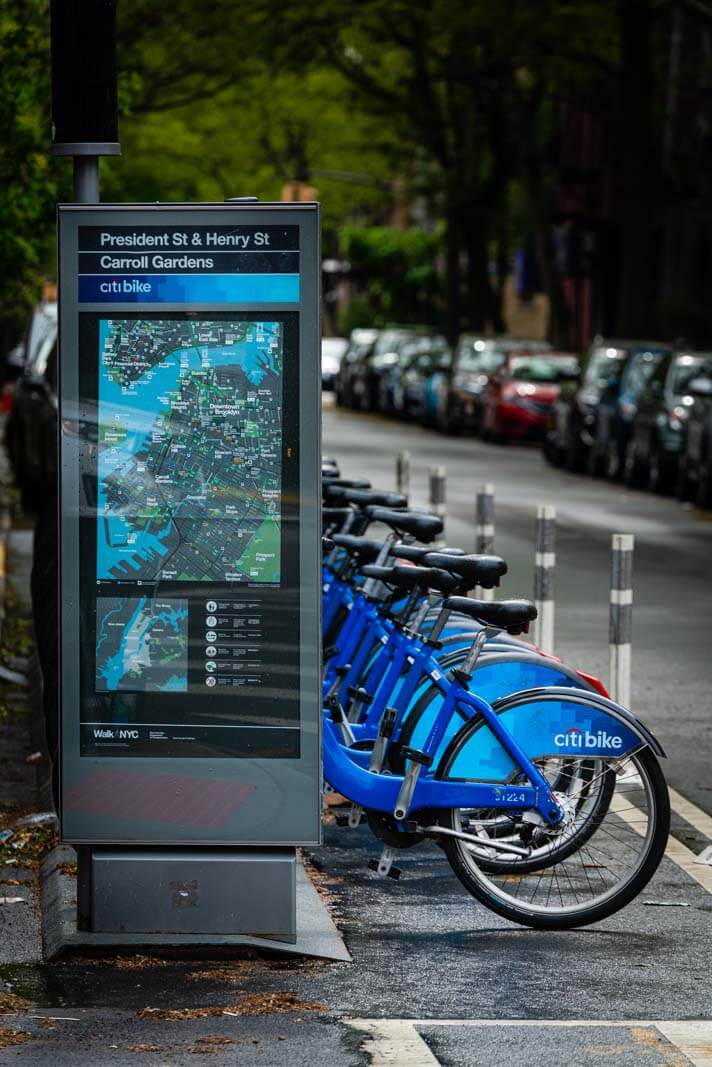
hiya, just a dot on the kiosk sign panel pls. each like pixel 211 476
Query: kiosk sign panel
pixel 189 447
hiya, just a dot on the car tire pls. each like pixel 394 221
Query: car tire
pixel 575 454
pixel 443 422
pixel 634 474
pixel 659 472
pixel 552 452
pixel 683 481
pixel 703 496
pixel 613 461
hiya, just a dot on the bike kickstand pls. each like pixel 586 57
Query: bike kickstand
pixel 384 866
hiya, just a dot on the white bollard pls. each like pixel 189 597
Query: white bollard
pixel 438 495
pixel 484 531
pixel 544 564
pixel 620 629
pixel 403 473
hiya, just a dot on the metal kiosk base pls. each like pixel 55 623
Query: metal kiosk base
pixel 188 891
pixel 220 897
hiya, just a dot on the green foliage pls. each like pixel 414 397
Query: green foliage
pixel 30 181
pixel 251 140
pixel 396 269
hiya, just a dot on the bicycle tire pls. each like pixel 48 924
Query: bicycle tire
pixel 526 913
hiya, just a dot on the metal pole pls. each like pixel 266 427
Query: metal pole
pixel 86 191
pixel 438 494
pixel 86 179
pixel 621 616
pixel 544 564
pixel 403 473
pixel 484 530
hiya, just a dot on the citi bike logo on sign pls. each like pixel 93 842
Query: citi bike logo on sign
pixel 574 738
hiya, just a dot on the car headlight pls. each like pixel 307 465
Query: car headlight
pixel 678 417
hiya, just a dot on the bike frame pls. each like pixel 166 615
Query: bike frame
pixel 379 792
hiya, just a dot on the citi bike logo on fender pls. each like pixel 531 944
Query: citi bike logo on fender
pixel 574 738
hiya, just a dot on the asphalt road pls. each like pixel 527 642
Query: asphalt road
pixel 672 614
pixel 436 978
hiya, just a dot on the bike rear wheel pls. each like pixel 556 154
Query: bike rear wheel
pixel 615 857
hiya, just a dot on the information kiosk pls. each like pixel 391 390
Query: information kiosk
pixel 189 559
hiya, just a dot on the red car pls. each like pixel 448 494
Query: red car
pixel 518 400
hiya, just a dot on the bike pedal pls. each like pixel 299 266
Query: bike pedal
pixel 393 872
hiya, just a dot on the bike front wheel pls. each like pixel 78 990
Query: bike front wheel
pixel 617 854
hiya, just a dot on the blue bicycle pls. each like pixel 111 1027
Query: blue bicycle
pixel 550 803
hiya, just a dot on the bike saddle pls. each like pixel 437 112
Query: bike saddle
pixel 513 616
pixel 403 577
pixel 360 547
pixel 363 497
pixel 346 483
pixel 416 553
pixel 480 570
pixel 420 525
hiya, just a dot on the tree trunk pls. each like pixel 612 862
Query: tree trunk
pixel 638 173
pixel 452 269
pixel 484 302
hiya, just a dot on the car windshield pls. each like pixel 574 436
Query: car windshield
pixel 540 369
pixel 333 347
pixel 605 366
pixel 685 369
pixel 641 369
pixel 389 341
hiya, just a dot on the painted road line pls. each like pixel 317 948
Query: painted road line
pixel 397 1041
pixel 688 811
pixel 394 1042
pixel 675 850
pixel 694 1040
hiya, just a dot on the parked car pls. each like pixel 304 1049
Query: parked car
pixel 332 351
pixel 694 472
pixel 360 343
pixel 389 373
pixel 615 413
pixel 518 399
pixel 460 387
pixel 663 408
pixel 374 365
pixel 574 431
pixel 419 361
pixel 31 428
pixel 573 426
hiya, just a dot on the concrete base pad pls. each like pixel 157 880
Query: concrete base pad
pixel 316 933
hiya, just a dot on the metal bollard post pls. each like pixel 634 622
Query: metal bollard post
pixel 403 473
pixel 621 616
pixel 544 563
pixel 484 530
pixel 438 479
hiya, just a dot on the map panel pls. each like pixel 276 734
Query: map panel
pixel 190 450
pixel 141 645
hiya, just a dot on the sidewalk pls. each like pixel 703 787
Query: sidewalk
pixel 20 845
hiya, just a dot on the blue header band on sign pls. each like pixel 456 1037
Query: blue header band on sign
pixel 189 289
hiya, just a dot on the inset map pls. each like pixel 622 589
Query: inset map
pixel 190 450
pixel 141 645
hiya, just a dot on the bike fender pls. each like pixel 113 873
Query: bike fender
pixel 604 705
pixel 551 721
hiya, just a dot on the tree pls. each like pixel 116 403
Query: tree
pixel 31 182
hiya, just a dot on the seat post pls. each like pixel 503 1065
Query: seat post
pixel 478 644
pixel 370 585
